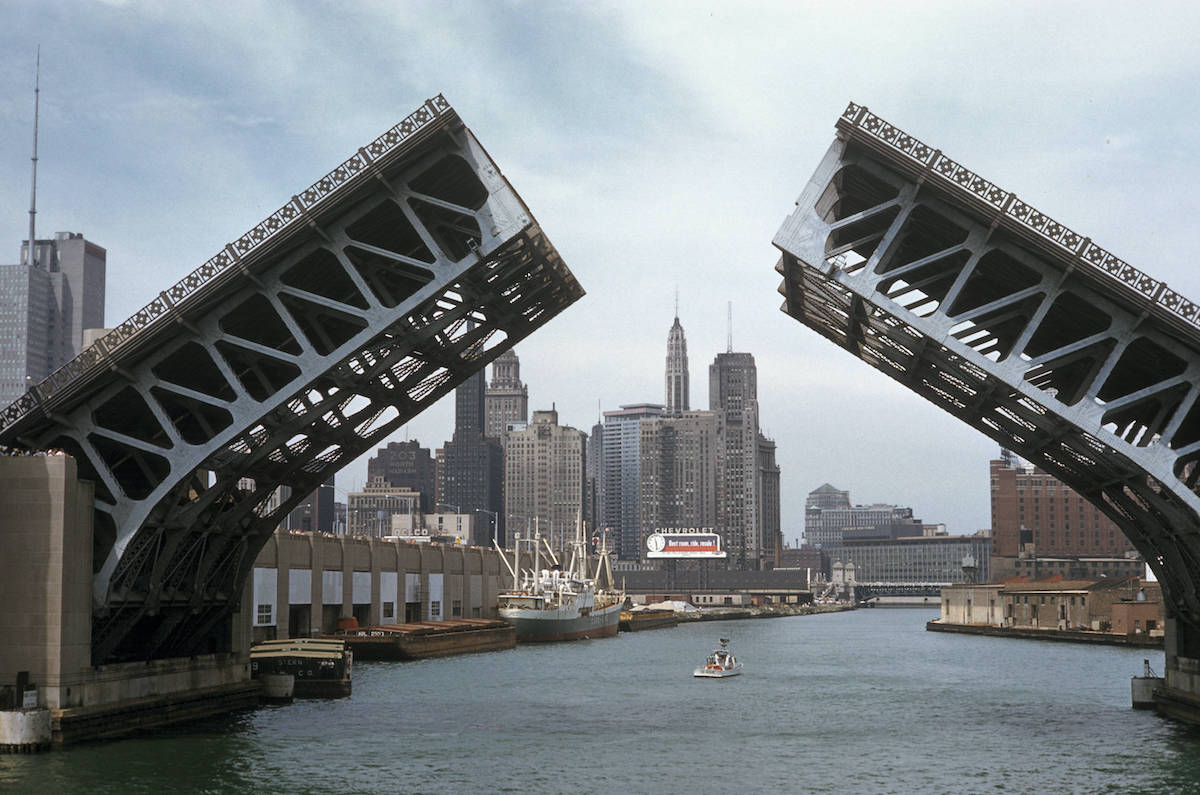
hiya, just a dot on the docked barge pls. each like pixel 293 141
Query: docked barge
pixel 321 666
pixel 419 640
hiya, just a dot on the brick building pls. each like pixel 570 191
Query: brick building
pixel 1030 506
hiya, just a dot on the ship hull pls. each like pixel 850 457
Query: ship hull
pixel 540 626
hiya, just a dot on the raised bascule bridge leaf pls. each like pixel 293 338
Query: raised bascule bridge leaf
pixel 301 345
pixel 1012 322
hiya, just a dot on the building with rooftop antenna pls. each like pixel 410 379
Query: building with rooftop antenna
pixel 48 299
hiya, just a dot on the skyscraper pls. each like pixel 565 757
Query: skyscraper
pixel 471 479
pixel 544 477
pixel 733 393
pixel 677 370
pixel 770 523
pixel 46 303
pixel 681 466
pixel 621 475
pixel 507 399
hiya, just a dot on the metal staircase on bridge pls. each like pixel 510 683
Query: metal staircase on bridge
pixel 300 346
pixel 1013 323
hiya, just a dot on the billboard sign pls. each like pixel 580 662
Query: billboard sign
pixel 683 544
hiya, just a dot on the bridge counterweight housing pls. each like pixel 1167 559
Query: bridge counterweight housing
pixel 297 348
pixel 1013 323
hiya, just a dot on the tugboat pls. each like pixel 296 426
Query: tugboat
pixel 720 664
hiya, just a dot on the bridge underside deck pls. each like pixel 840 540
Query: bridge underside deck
pixel 1012 323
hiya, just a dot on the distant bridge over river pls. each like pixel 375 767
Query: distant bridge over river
pixel 1019 326
pixel 299 346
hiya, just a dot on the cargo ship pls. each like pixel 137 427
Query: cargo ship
pixel 556 603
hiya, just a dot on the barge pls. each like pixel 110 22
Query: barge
pixel 420 640
pixel 321 666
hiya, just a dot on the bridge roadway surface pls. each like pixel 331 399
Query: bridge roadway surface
pixel 1017 325
pixel 301 345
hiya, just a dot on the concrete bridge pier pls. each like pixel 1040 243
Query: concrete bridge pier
pixel 46 621
pixel 1180 697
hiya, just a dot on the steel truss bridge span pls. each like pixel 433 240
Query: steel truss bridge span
pixel 1013 323
pixel 300 346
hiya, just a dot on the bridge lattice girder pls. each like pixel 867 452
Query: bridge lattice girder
pixel 1011 322
pixel 301 346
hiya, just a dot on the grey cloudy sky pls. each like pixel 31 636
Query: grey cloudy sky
pixel 659 144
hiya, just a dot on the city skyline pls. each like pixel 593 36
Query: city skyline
pixel 175 135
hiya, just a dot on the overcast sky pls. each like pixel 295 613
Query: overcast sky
pixel 660 145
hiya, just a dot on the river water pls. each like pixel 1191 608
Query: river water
pixel 864 701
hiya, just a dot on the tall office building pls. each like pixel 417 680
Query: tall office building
pixel 406 464
pixel 46 303
pixel 681 466
pixel 1056 519
pixel 677 370
pixel 769 515
pixel 621 476
pixel 544 478
pixel 733 393
pixel 471 477
pixel 507 399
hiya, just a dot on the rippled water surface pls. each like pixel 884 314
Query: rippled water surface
pixel 850 702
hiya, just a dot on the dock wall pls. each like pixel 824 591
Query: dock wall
pixel 306 583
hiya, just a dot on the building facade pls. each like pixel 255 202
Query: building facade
pixel 828 512
pixel 679 473
pixel 507 399
pixel 471 476
pixel 621 489
pixel 406 464
pixel 1030 506
pixel 769 516
pixel 45 305
pixel 733 393
pixel 920 559
pixel 544 477
pixel 370 512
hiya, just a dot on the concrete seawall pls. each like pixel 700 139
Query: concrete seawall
pixel 1065 636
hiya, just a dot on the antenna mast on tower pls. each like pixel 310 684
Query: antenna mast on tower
pixel 729 328
pixel 33 191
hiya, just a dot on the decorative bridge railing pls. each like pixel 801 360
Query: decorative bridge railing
pixel 1016 324
pixel 295 210
pixel 951 173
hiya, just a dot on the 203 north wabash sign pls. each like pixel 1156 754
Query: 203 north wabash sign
pixel 683 544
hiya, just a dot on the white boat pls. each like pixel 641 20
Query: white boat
pixel 719 664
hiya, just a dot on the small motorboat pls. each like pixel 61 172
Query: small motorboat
pixel 719 664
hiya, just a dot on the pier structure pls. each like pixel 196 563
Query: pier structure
pixel 1021 327
pixel 299 346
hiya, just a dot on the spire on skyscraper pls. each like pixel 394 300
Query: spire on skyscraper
pixel 677 367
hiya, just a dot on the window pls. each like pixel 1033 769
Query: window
pixel 265 614
pixel 435 608
pixel 389 609
pixel 456 608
